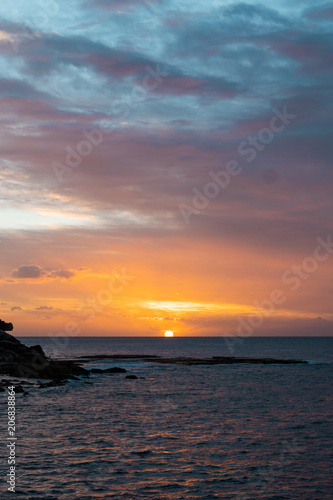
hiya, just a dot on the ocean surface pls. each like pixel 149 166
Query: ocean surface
pixel 181 432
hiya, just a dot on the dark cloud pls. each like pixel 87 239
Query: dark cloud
pixel 61 273
pixel 19 89
pixel 46 53
pixel 15 28
pixel 36 272
pixel 242 19
pixel 30 271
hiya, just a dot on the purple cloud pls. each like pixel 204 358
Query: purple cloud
pixel 35 272
pixel 30 271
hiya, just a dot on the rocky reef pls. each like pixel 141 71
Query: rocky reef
pixel 183 360
pixel 227 360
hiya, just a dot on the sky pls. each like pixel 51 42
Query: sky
pixel 166 165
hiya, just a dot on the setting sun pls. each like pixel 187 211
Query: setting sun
pixel 168 333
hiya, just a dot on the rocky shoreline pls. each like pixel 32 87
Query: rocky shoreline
pixel 20 361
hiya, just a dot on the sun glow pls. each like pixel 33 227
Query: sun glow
pixel 168 333
pixel 182 307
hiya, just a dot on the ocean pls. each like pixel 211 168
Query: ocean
pixel 237 431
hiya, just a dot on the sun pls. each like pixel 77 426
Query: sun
pixel 168 333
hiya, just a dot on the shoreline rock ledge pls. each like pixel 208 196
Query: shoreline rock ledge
pixel 19 360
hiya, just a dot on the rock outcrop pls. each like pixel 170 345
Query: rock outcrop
pixel 19 360
pixel 6 327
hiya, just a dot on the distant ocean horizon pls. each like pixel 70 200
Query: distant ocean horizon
pixel 306 348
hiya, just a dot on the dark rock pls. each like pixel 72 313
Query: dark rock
pixel 6 356
pixel 132 377
pixel 10 346
pixel 38 350
pixel 18 360
pixel 61 370
pixel 6 327
pixel 115 370
pixel 120 356
pixel 8 337
pixel 108 370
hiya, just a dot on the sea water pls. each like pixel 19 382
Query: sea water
pixel 180 432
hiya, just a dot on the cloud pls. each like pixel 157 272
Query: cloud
pixel 30 271
pixel 246 19
pixel 16 308
pixel 61 273
pixel 51 51
pixel 323 13
pixel 43 308
pixel 35 272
